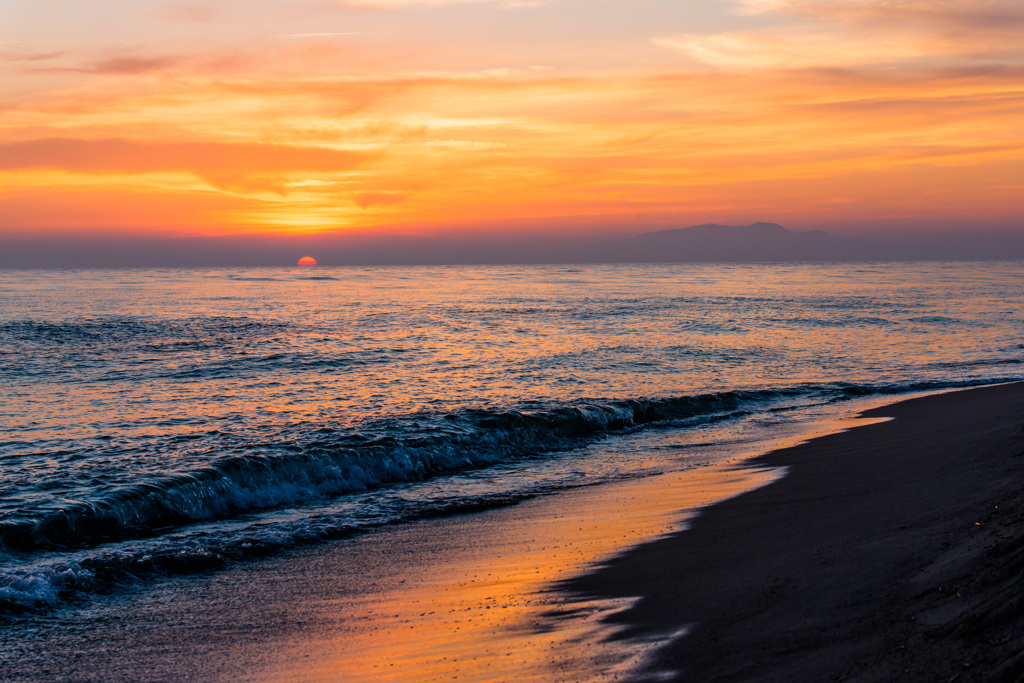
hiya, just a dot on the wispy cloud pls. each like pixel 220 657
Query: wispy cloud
pixel 15 55
pixel 850 33
pixel 133 65
pixel 221 164
pixel 795 47
pixel 975 14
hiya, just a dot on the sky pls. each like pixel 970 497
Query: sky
pixel 172 119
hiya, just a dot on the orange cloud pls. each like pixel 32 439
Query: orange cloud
pixel 119 206
pixel 242 146
pixel 220 163
pixel 132 65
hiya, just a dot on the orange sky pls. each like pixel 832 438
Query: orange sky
pixel 212 118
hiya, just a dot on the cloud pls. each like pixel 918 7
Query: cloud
pixel 116 205
pixel 974 14
pixel 794 48
pixel 124 64
pixel 854 33
pixel 133 65
pixel 20 56
pixel 222 164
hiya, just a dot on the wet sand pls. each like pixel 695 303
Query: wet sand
pixel 881 555
pixel 894 551
pixel 467 597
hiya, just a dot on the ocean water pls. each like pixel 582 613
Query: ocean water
pixel 167 421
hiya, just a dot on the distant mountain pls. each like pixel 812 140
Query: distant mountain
pixel 756 242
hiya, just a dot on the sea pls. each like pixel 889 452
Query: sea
pixel 173 422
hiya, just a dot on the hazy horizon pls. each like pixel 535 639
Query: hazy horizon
pixel 369 248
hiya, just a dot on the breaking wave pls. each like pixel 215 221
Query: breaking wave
pixel 335 463
pixel 163 526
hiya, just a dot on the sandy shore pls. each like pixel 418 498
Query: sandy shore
pixel 894 551
pixel 889 552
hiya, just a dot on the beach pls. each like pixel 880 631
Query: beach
pixel 889 552
pixel 886 552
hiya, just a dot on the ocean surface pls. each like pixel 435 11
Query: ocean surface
pixel 159 422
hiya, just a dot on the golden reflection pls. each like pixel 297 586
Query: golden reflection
pixel 471 597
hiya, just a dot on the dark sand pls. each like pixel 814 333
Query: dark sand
pixel 894 551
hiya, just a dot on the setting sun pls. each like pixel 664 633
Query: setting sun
pixel 307 261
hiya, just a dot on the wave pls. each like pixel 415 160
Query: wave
pixel 65 349
pixel 330 464
pixel 280 362
pixel 324 463
pixel 50 583
pixel 305 474
pixel 982 362
pixel 107 331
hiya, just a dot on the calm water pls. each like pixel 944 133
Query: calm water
pixel 155 422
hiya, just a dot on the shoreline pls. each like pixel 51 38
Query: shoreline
pixel 470 595
pixel 888 552
pixel 486 595
pixel 466 597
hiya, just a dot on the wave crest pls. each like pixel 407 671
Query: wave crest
pixel 338 463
